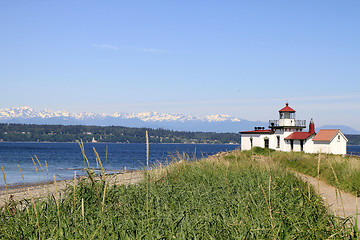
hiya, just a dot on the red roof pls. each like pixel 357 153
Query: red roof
pixel 326 135
pixel 287 109
pixel 299 136
pixel 258 131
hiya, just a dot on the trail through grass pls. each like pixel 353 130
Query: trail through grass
pixel 342 172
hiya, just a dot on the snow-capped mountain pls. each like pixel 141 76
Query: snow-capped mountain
pixel 28 113
pixel 174 121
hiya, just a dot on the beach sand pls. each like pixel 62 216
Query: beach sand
pixel 43 190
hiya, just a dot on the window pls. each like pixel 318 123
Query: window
pixel 266 143
pixel 278 141
pixel 339 138
pixel 251 142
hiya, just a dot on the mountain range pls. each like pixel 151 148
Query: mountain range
pixel 172 121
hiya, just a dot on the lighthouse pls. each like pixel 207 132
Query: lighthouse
pixel 286 134
pixel 287 121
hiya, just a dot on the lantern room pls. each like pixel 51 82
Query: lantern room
pixel 287 120
pixel 287 112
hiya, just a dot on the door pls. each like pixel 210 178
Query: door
pixel 266 143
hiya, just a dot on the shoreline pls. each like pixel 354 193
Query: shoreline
pixel 44 189
pixel 48 181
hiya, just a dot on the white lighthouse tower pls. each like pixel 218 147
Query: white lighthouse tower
pixel 287 123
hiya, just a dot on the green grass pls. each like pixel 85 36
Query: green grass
pixel 338 171
pixel 231 197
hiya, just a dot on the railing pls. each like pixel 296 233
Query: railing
pixel 298 123
pixel 273 123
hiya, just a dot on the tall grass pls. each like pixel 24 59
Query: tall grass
pixel 3 172
pixel 39 163
pixel 36 213
pixel 147 176
pixel 35 166
pixel 22 175
pixel 232 197
pixel 342 172
pixel 82 148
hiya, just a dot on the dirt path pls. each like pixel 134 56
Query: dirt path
pixel 341 203
pixel 42 190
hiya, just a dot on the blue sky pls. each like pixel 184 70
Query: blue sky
pixel 241 58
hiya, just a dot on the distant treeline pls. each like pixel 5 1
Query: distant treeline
pixel 116 134
pixel 71 133
pixel 353 139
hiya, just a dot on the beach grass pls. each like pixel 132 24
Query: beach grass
pixel 235 196
pixel 342 172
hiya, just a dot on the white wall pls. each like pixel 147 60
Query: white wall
pixel 245 142
pixel 338 146
pixel 320 146
pixel 287 122
pixel 258 140
pixel 309 145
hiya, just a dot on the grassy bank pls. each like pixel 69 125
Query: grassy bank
pixel 342 172
pixel 235 196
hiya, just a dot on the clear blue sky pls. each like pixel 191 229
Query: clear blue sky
pixel 241 58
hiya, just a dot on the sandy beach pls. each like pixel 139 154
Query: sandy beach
pixel 44 189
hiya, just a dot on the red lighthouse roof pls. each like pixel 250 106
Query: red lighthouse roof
pixel 287 109
pixel 299 136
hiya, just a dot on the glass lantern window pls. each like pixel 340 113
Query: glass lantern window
pixel 287 115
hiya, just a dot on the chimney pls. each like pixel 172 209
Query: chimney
pixel 311 126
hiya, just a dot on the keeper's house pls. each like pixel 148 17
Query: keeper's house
pixel 286 134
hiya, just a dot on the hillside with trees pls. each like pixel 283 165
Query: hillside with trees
pixel 116 134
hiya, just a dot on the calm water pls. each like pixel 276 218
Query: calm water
pixel 64 158
pixel 353 150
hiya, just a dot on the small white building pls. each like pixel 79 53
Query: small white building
pixel 330 141
pixel 286 134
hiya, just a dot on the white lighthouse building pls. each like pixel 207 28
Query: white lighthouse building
pixel 286 134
